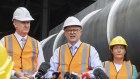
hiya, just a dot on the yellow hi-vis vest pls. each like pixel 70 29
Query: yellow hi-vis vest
pixel 25 59
pixel 77 63
pixel 124 73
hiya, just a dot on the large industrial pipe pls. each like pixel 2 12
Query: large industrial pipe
pixel 47 46
pixel 94 32
pixel 124 20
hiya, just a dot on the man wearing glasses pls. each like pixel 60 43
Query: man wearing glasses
pixel 74 59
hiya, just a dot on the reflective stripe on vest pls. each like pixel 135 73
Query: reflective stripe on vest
pixel 107 68
pixel 63 58
pixel 128 69
pixel 10 47
pixel 84 60
pixel 34 53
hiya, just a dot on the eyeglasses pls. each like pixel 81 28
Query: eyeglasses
pixel 72 31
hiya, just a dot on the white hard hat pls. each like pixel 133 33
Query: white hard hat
pixel 22 14
pixel 71 21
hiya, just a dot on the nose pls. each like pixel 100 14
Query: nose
pixel 119 50
pixel 72 31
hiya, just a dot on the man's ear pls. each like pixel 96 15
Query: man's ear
pixel 14 23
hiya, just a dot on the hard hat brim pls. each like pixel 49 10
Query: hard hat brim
pixel 24 19
pixel 72 25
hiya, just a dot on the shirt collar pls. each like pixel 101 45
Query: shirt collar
pixel 19 37
pixel 76 45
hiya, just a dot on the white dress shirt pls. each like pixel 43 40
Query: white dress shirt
pixel 94 60
pixel 40 55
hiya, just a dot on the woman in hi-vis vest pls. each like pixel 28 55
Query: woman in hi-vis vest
pixel 118 66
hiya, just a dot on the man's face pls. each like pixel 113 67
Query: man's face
pixel 22 27
pixel 73 33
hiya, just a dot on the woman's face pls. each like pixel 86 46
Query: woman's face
pixel 118 51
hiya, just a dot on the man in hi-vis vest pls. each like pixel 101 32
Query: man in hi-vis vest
pixel 75 58
pixel 25 51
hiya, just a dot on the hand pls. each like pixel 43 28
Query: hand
pixel 19 74
pixel 80 76
pixel 28 76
